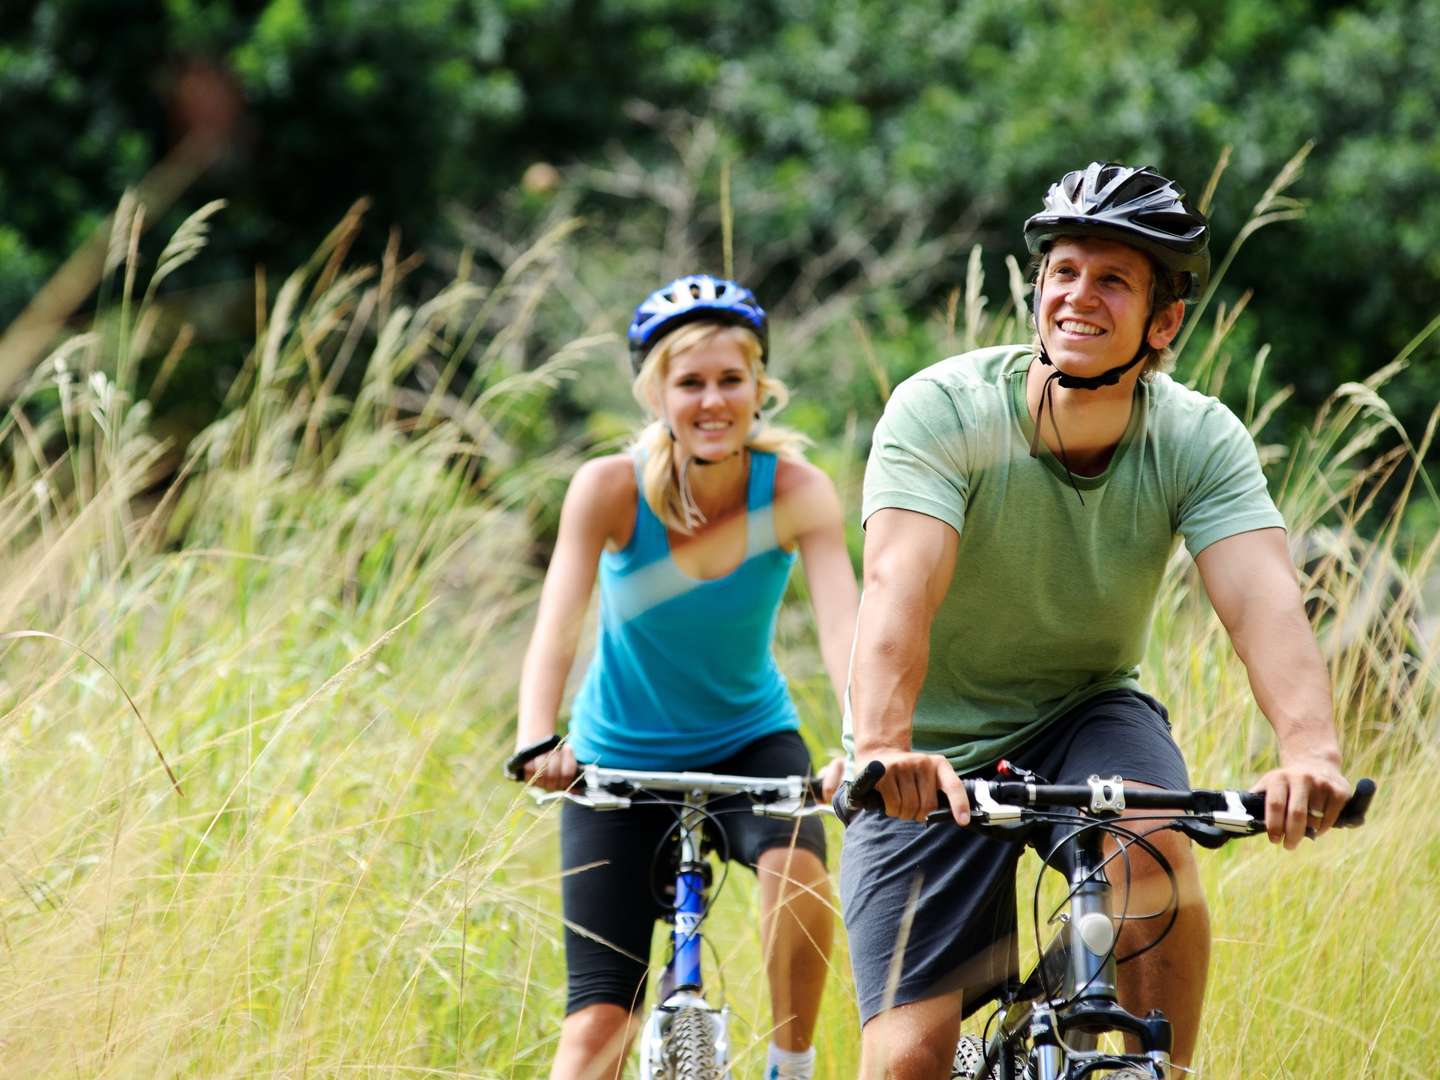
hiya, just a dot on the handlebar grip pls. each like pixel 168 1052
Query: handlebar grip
pixel 515 764
pixel 859 794
pixel 1353 816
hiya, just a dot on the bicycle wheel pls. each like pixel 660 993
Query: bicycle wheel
pixel 970 1056
pixel 690 1046
pixel 1019 1066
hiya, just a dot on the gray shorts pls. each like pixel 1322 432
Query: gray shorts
pixel 959 885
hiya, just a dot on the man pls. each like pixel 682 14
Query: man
pixel 1020 506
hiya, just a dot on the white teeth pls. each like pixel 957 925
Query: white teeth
pixel 1070 326
pixel 713 425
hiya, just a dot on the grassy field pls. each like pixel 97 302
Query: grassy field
pixel 251 820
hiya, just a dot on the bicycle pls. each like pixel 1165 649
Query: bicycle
pixel 684 1036
pixel 1048 1025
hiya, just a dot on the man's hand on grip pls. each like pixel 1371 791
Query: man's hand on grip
pixel 911 781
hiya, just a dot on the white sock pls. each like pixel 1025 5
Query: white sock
pixel 789 1064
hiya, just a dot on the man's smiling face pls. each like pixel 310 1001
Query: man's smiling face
pixel 1094 303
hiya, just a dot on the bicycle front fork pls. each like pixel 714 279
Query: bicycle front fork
pixel 1055 1055
pixel 682 1025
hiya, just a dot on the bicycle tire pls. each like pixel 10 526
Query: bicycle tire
pixel 970 1054
pixel 690 1046
pixel 1014 1063
pixel 1020 1067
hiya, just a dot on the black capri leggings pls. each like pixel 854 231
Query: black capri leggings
pixel 616 871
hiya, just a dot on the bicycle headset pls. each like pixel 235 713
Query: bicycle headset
pixel 690 299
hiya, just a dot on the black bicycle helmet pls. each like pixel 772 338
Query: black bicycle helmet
pixel 1138 207
pixel 690 298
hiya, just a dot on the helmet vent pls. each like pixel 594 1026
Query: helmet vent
pixel 1132 206
pixel 693 298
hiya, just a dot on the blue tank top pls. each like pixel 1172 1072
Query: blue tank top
pixel 683 674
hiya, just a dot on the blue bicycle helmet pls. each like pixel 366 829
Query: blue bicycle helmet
pixel 687 299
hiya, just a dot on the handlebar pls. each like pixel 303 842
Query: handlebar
pixel 760 788
pixel 614 789
pixel 1015 802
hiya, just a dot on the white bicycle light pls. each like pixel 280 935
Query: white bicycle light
pixel 1097 932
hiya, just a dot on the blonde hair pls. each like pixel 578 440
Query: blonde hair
pixel 663 480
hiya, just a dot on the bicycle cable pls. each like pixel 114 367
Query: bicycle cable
pixel 1129 837
pixel 722 848
pixel 1172 905
pixel 1052 994
pixel 1125 838
pixel 985 1031
pixel 679 809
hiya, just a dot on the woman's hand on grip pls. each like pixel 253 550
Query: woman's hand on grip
pixel 831 777
pixel 554 771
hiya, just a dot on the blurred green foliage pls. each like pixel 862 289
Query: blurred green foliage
pixel 870 142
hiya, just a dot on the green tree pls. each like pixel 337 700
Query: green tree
pixel 864 144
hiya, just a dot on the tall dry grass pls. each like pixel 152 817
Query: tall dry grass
pixel 318 623
pixel 313 623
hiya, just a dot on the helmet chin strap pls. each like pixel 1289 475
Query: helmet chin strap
pixel 1074 382
pixel 694 516
pixel 696 459
pixel 716 461
pixel 1093 382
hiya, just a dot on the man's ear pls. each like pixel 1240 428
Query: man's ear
pixel 1166 325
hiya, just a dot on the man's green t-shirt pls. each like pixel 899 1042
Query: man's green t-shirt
pixel 1051 600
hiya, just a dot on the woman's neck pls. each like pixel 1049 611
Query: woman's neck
pixel 719 488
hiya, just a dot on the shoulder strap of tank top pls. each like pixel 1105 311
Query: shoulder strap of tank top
pixel 760 505
pixel 647 541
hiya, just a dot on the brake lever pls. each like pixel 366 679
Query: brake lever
pixel 1204 833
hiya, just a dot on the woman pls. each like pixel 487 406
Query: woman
pixel 693 533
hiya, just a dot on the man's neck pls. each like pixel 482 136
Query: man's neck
pixel 1091 422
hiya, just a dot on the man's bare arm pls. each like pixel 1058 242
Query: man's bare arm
pixel 909 560
pixel 1251 583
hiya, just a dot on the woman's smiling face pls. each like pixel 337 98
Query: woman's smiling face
pixel 711 397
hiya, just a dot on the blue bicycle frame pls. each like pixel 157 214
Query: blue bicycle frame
pixel 689 912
